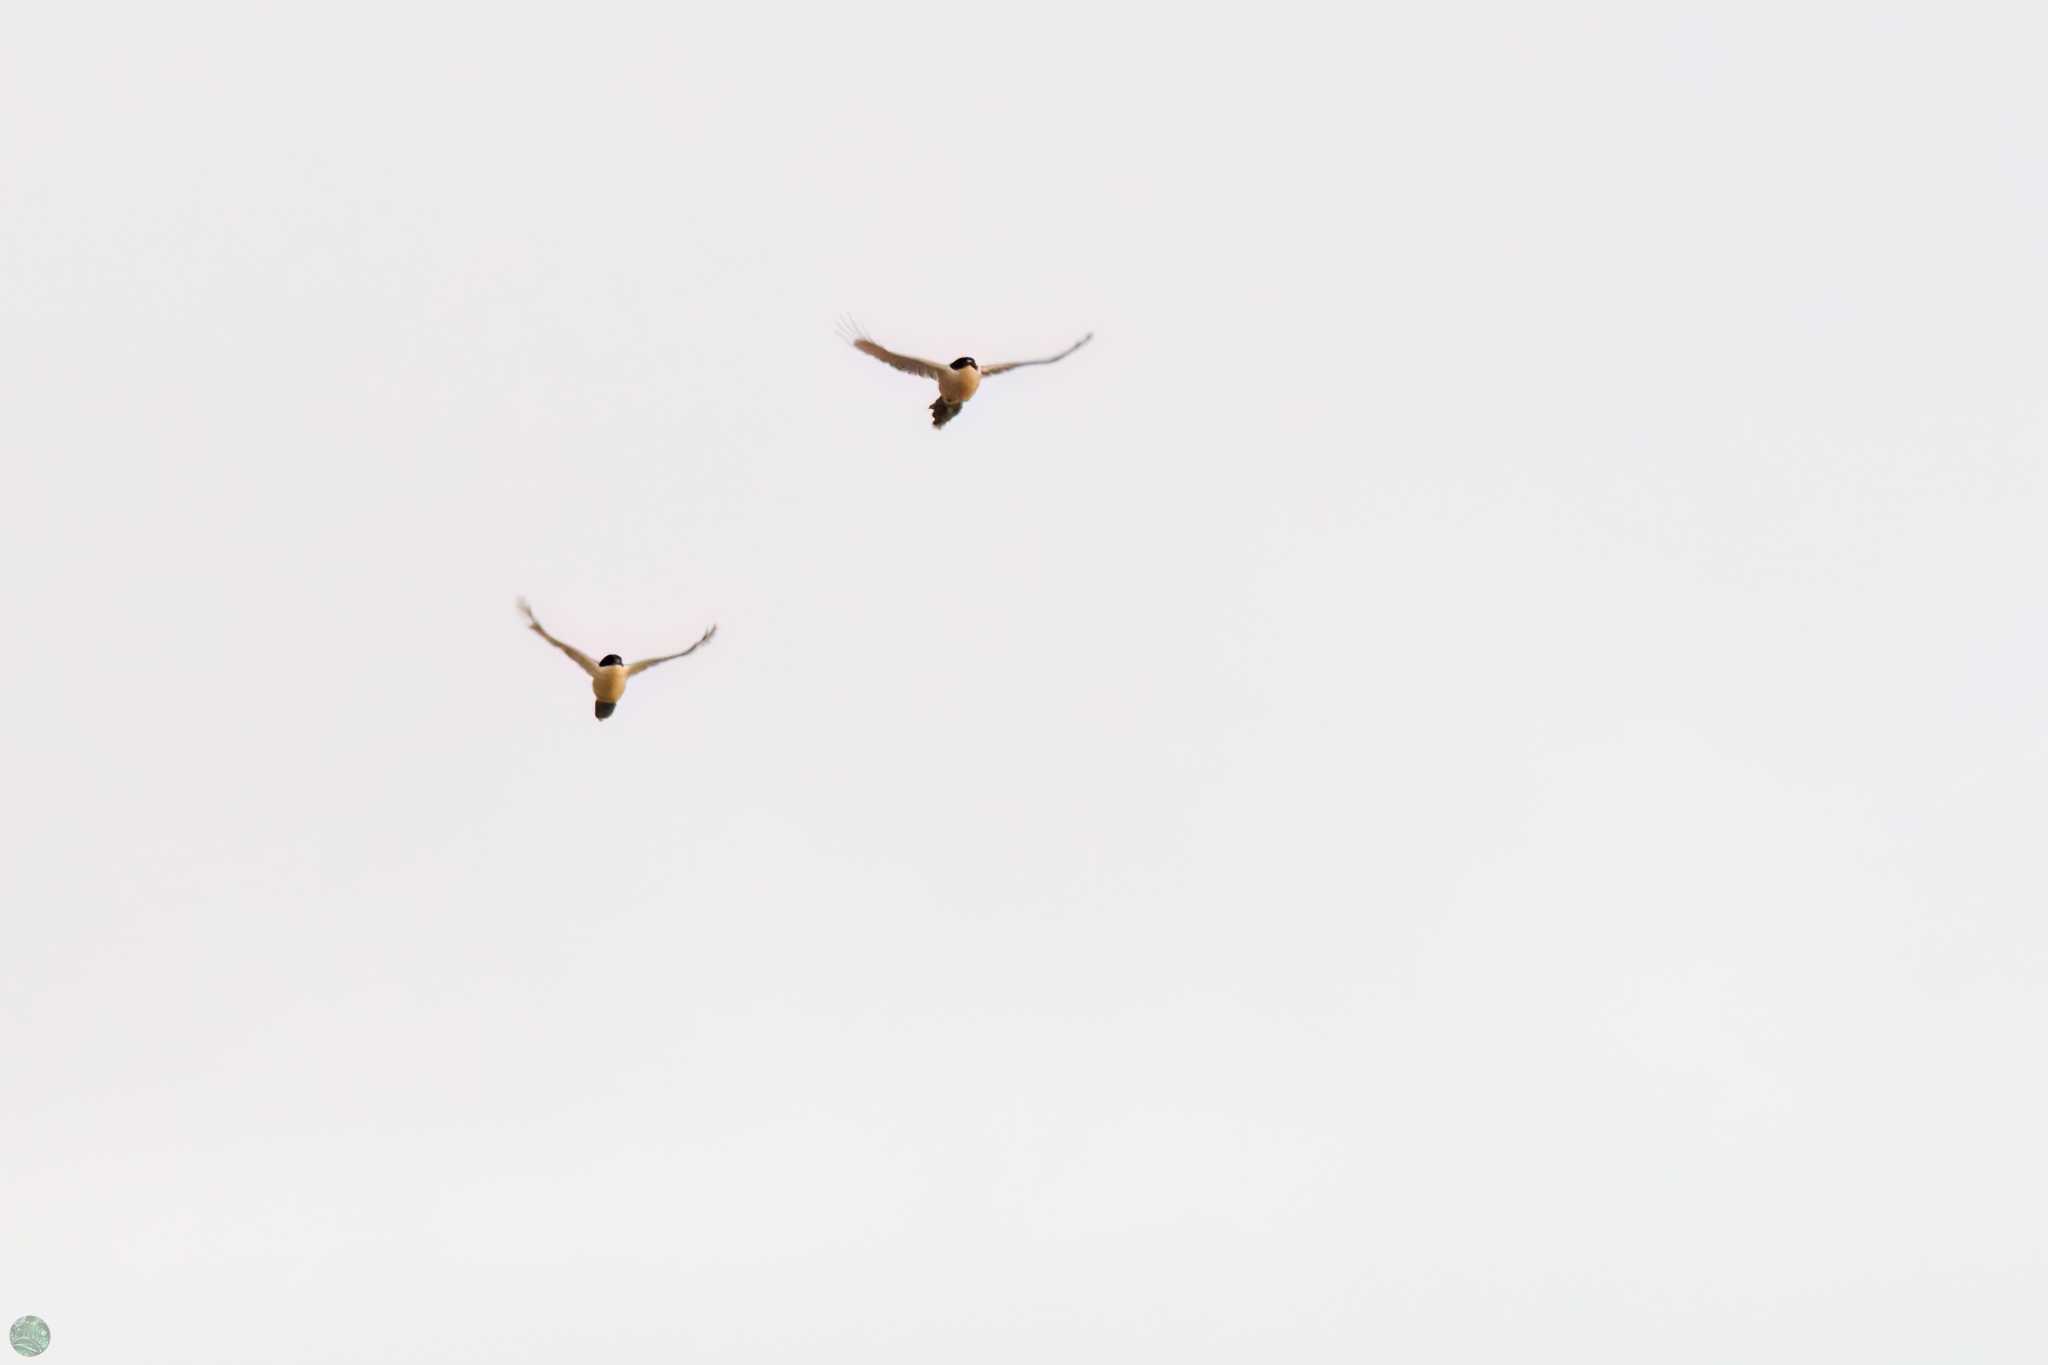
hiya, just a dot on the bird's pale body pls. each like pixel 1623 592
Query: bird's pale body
pixel 609 683
pixel 957 386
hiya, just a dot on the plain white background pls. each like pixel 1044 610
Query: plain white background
pixel 1465 783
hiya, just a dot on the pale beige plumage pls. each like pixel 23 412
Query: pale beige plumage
pixel 957 382
pixel 607 679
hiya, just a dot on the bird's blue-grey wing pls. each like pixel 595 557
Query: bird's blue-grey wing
pixel 909 364
pixel 583 661
pixel 646 664
pixel 988 370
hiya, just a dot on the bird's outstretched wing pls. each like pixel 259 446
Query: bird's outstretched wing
pixel 646 664
pixel 583 660
pixel 866 345
pixel 988 370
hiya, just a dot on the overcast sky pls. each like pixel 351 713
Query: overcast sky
pixel 1466 783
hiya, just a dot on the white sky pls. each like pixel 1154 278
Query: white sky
pixel 1467 783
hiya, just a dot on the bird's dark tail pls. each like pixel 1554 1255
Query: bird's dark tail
pixel 605 708
pixel 943 412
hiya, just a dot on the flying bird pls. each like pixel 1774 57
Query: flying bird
pixel 957 382
pixel 608 675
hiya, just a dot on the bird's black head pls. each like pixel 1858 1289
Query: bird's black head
pixel 965 362
pixel 610 661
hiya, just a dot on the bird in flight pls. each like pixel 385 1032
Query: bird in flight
pixel 608 675
pixel 957 382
